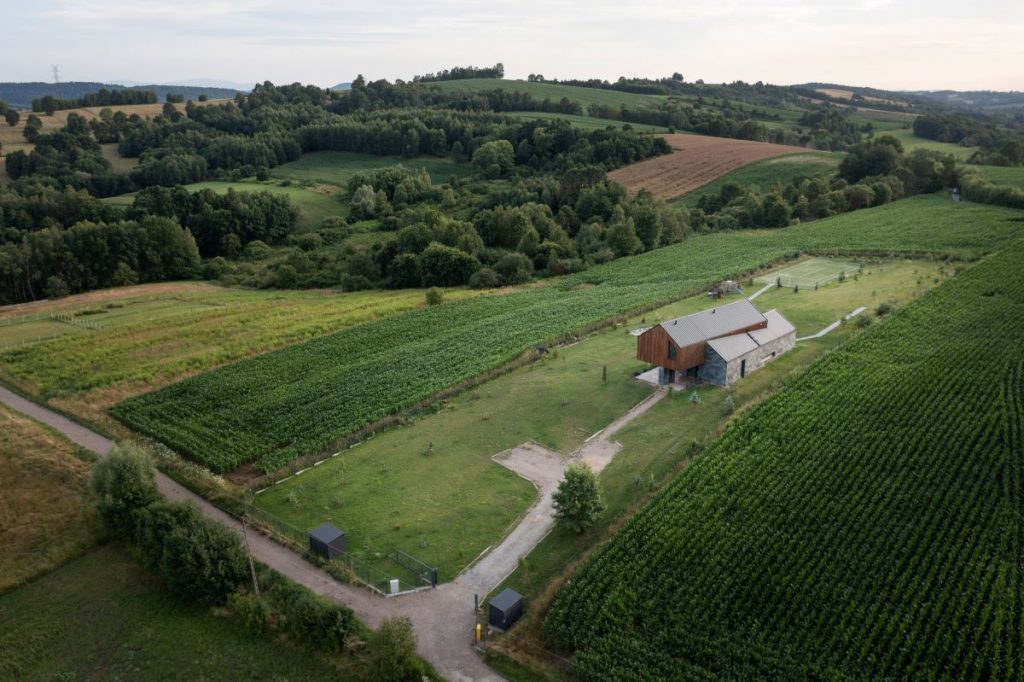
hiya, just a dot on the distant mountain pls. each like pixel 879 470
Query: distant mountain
pixel 342 86
pixel 20 95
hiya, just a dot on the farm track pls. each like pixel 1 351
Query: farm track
pixel 443 617
pixel 695 161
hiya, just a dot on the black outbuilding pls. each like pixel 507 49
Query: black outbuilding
pixel 505 609
pixel 327 540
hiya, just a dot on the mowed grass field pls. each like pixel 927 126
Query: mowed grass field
pixel 695 161
pixel 337 167
pixel 155 334
pixel 431 488
pixel 864 523
pixel 315 203
pixel 767 174
pixel 101 617
pixel 1002 175
pixel 346 381
pixel 811 272
pixel 911 142
pixel 46 517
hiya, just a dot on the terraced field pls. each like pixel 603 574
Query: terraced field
pixel 303 398
pixel 696 161
pixel 767 174
pixel 864 523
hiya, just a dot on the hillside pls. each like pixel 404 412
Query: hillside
pixel 20 95
pixel 872 532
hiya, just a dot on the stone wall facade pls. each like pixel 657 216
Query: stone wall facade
pixel 716 370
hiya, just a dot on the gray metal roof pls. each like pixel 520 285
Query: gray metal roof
pixel 714 323
pixel 506 599
pixel 326 533
pixel 778 326
pixel 732 347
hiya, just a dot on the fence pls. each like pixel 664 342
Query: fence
pixel 428 574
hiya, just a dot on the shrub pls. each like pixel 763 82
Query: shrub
pixel 393 652
pixel 484 278
pixel 728 405
pixel 121 485
pixel 434 296
pixel 883 309
pixel 578 500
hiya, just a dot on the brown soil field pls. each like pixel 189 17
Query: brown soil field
pixel 848 94
pixel 696 161
pixel 12 138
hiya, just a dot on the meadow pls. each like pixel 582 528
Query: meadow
pixel 46 517
pixel 1002 175
pixel 336 168
pixel 585 122
pixel 315 203
pixel 343 382
pixel 155 334
pixel 910 143
pixel 103 617
pixel 552 91
pixel 441 497
pixel 872 532
pixel 767 174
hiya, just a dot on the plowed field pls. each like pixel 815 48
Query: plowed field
pixel 696 161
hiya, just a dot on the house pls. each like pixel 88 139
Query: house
pixel 718 346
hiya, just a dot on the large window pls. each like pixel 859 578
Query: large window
pixel 672 350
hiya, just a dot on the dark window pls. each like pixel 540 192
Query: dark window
pixel 672 350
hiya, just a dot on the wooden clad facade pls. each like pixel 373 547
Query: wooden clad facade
pixel 657 347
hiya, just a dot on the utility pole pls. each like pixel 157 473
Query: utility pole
pixel 248 553
pixel 56 74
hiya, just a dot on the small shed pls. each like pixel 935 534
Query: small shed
pixel 327 541
pixel 505 609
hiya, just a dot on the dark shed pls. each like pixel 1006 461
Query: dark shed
pixel 505 609
pixel 327 540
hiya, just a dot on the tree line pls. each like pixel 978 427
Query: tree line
pixel 100 98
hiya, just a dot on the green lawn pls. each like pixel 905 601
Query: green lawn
pixel 1002 175
pixel 314 203
pixel 448 506
pixel 585 122
pixel 768 173
pixel 337 167
pixel 102 617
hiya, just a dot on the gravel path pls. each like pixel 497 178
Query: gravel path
pixel 443 618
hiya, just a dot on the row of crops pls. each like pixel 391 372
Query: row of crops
pixel 865 522
pixel 300 399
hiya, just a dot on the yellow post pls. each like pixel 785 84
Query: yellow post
pixel 478 631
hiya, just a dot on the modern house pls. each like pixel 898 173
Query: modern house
pixel 719 346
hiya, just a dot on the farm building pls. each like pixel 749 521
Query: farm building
pixel 719 346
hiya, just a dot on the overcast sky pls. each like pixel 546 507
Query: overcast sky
pixel 895 44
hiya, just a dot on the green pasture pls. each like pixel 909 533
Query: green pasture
pixel 1002 175
pixel 910 143
pixel 336 168
pixel 768 173
pixel 314 203
pixel 585 122
pixel 553 91
pixel 101 617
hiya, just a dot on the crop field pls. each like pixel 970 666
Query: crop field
pixel 695 161
pixel 305 397
pixel 315 203
pixel 336 168
pixel 585 122
pixel 154 334
pixel 46 516
pixel 811 273
pixel 385 491
pixel 1002 175
pixel 767 174
pixel 870 532
pixel 103 617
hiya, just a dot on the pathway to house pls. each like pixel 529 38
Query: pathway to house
pixel 443 617
pixel 760 291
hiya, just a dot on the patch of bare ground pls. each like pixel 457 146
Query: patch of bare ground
pixel 695 161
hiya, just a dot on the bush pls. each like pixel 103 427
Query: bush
pixel 728 405
pixel 883 309
pixel 578 500
pixel 484 278
pixel 434 296
pixel 121 485
pixel 393 652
